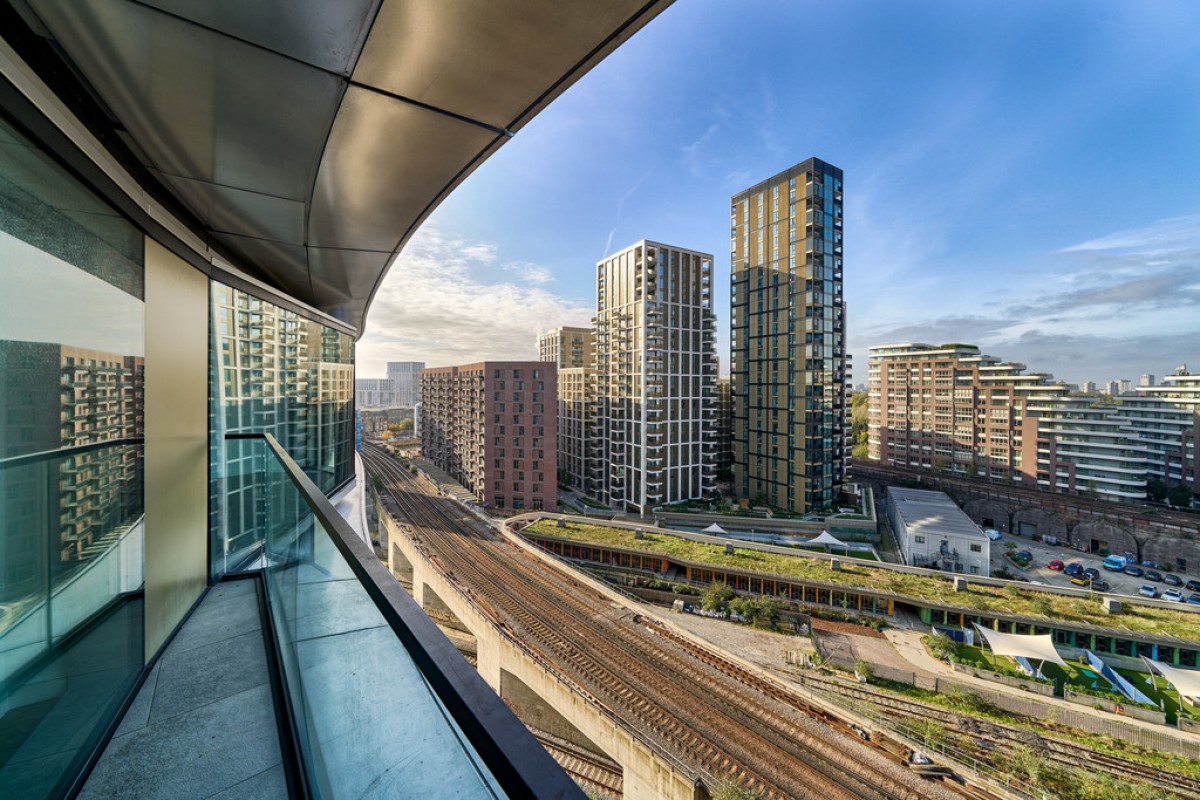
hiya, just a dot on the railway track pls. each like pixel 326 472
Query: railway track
pixel 998 737
pixel 709 713
pixel 588 769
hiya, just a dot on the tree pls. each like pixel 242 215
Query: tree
pixel 1156 489
pixel 859 430
pixel 716 597
pixel 757 610
pixel 1180 496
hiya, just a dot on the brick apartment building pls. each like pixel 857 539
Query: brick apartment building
pixel 493 426
pixel 953 409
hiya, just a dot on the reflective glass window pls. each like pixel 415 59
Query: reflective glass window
pixel 71 415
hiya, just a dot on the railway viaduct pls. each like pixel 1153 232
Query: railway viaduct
pixel 530 685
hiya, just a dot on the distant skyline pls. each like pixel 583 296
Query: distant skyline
pixel 1021 176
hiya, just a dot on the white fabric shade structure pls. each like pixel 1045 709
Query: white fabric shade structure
pixel 1185 681
pixel 827 538
pixel 714 528
pixel 1022 645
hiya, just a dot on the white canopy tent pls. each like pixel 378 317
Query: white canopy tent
pixel 1021 645
pixel 1184 681
pixel 714 528
pixel 828 540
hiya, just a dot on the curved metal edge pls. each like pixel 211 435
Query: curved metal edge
pixel 519 764
pixel 636 22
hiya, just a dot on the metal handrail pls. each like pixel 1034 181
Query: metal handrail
pixel 520 765
pixel 46 455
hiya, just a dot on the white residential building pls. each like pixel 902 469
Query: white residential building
pixel 652 432
pixel 374 393
pixel 406 381
pixel 934 532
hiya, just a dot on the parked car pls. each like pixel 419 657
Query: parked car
pixel 1073 569
pixel 1154 575
pixel 1081 580
pixel 1055 565
pixel 1194 599
pixel 1148 591
pixel 1173 595
pixel 1172 580
pixel 1134 571
pixel 1100 586
pixel 1115 563
pixel 1023 554
pixel 1091 572
pixel 1192 585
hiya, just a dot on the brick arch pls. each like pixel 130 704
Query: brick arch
pixel 1164 550
pixel 981 509
pixel 1046 522
pixel 1094 535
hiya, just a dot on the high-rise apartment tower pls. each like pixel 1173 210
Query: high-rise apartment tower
pixel 652 432
pixel 406 382
pixel 788 351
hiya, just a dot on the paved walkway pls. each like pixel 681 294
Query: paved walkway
pixel 203 724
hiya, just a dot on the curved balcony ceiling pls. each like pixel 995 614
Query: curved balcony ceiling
pixel 311 138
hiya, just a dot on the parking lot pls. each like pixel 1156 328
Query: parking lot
pixel 1044 553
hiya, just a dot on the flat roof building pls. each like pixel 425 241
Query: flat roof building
pixel 494 426
pixel 933 532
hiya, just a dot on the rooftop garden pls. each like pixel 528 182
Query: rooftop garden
pixel 979 599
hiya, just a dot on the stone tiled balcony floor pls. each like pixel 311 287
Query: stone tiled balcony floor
pixel 203 725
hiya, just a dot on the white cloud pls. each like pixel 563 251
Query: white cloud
pixel 1166 235
pixel 530 273
pixel 449 301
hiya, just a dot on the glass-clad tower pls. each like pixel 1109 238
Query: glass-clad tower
pixel 788 339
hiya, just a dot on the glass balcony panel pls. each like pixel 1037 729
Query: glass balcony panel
pixel 70 610
pixel 367 722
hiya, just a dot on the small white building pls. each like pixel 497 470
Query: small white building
pixel 934 532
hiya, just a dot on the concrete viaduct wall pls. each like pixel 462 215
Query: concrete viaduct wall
pixel 522 680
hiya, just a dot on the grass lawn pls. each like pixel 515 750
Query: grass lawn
pixel 1079 676
pixel 865 555
pixel 979 599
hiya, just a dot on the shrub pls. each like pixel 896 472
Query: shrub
pixel 716 597
pixel 731 790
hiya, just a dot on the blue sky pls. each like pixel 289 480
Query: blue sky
pixel 1020 175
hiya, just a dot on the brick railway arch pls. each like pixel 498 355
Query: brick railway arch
pixel 1096 535
pixel 988 512
pixel 1180 555
pixel 1037 522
